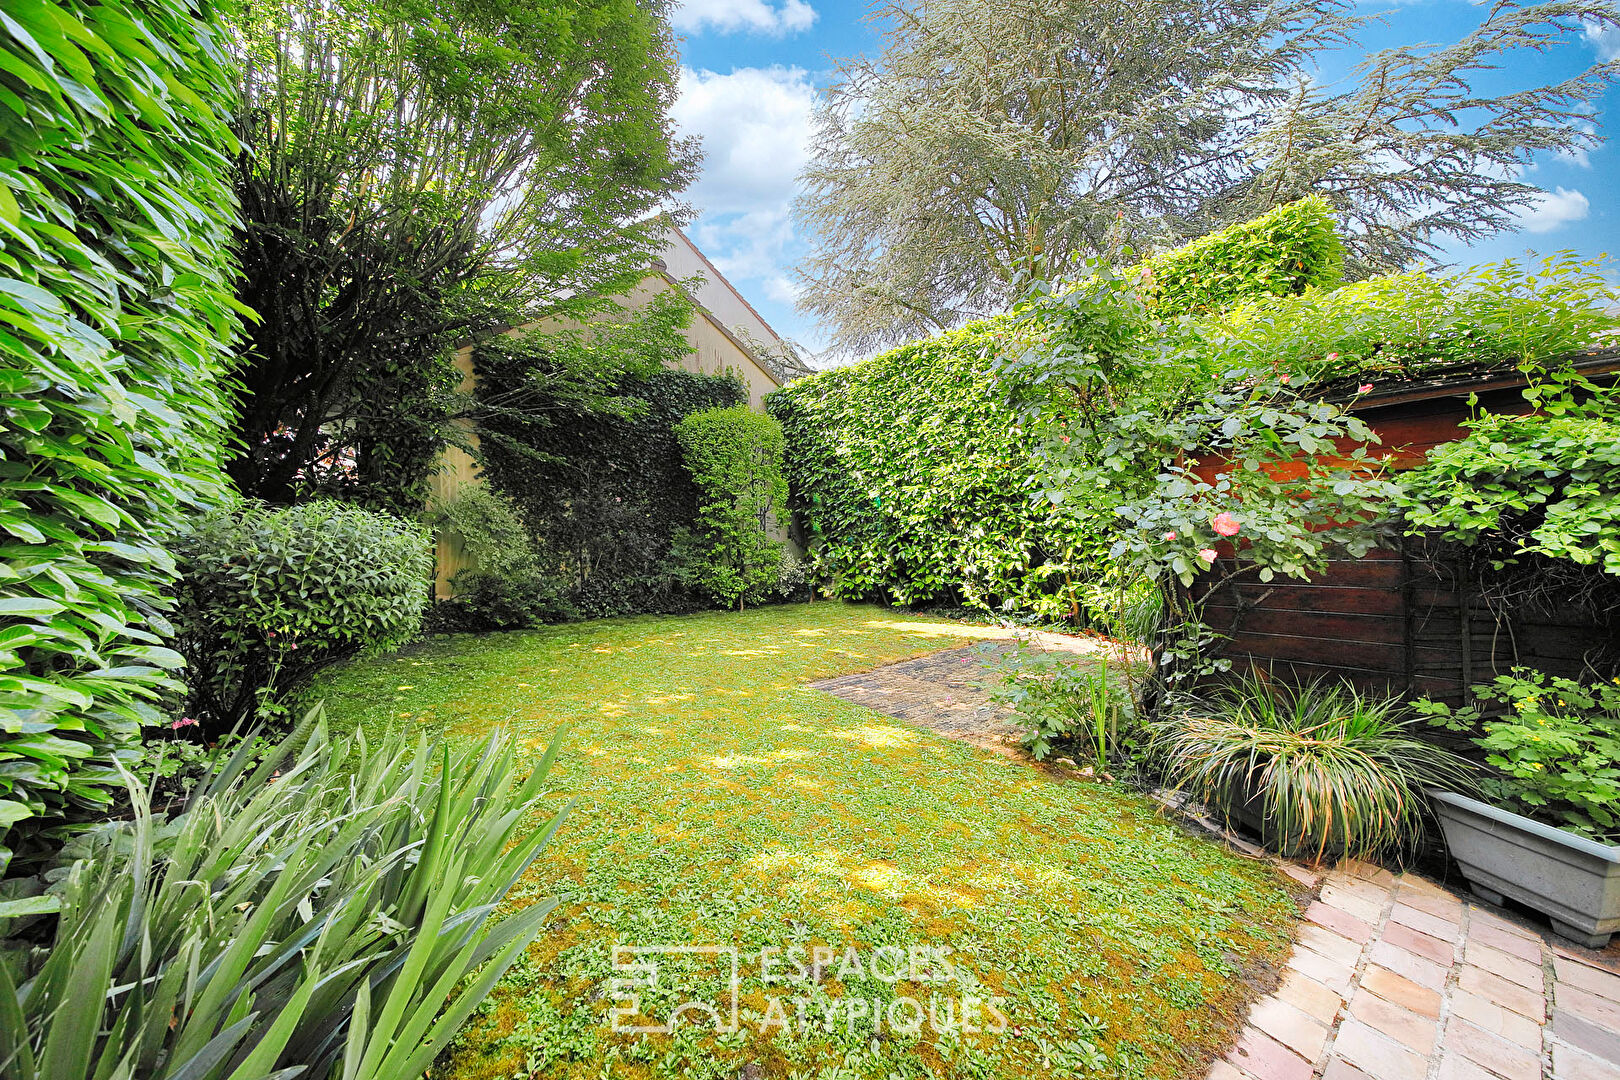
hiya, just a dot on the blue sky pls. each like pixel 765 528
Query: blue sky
pixel 751 70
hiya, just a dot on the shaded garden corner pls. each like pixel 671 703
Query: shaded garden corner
pixel 723 800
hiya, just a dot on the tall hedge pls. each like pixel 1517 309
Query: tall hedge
pixel 115 314
pixel 916 484
pixel 1282 252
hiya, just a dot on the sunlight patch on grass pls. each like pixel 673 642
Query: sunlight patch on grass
pixel 722 801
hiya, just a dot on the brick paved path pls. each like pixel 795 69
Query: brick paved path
pixel 946 691
pixel 1395 978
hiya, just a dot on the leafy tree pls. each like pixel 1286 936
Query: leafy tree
pixel 415 173
pixel 735 458
pixel 1000 139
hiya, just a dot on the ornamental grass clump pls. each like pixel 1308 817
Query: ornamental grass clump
pixel 1326 769
pixel 324 913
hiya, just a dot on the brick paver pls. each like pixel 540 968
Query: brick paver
pixel 1396 978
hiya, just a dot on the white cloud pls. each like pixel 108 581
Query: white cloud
pixel 755 16
pixel 1553 209
pixel 755 125
pixel 1605 39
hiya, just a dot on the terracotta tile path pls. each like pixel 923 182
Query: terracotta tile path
pixel 1395 978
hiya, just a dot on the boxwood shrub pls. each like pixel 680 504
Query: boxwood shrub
pixel 268 596
pixel 115 223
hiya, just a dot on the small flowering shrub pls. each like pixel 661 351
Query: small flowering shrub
pixel 1555 746
pixel 268 596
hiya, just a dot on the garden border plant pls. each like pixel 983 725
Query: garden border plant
pixel 328 910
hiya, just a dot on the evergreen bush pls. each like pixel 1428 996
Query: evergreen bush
pixel 735 458
pixel 115 226
pixel 268 596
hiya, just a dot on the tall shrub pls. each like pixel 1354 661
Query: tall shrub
pixel 118 317
pixel 268 596
pixel 735 458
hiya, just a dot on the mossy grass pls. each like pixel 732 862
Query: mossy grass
pixel 723 801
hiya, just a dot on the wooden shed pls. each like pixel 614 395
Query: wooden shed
pixel 1410 620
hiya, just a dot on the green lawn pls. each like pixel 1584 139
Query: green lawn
pixel 721 801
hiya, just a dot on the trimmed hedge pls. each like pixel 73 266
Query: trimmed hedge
pixel 914 483
pixel 1280 253
pixel 270 595
pixel 735 457
pixel 116 222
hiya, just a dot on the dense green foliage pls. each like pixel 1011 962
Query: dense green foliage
pixel 1325 770
pixel 919 482
pixel 504 587
pixel 114 226
pixel 269 596
pixel 996 141
pixel 415 174
pixel 913 481
pixel 1545 484
pixel 1189 441
pixel 735 458
pixel 1283 252
pixel 322 921
pixel 589 458
pixel 1554 744
pixel 1504 315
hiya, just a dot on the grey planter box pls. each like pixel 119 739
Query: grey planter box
pixel 1572 880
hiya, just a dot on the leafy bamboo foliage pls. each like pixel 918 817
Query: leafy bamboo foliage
pixel 115 222
pixel 323 922
pixel 735 457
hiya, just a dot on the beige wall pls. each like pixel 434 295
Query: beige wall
pixel 715 351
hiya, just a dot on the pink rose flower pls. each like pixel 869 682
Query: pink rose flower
pixel 1332 356
pixel 1171 535
pixel 1226 524
pixel 1364 388
pixel 1207 554
pixel 1284 379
